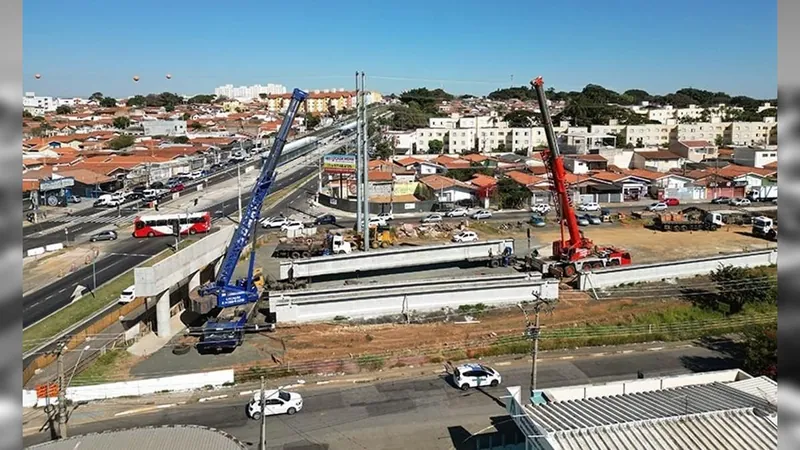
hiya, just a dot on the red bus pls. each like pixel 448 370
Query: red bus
pixel 162 225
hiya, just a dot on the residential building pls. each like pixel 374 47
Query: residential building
pixel 481 160
pixel 748 176
pixel 249 92
pixel 582 142
pixel 633 184
pixel 645 135
pixel 696 151
pixel 754 156
pixel 460 140
pixel 164 127
pixel 582 164
pixel 423 137
pixel 700 131
pixel 403 141
pixel 657 161
pixel 448 190
pixel 444 122
pixel 527 139
pixel 702 411
pixel 613 128
pixel 321 101
pixel 750 133
pixel 677 186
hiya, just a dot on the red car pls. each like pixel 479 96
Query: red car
pixel 672 201
pixel 177 188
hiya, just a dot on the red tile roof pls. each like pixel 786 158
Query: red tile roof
pixel 695 144
pixel 407 161
pixel 475 157
pixel 482 180
pixel 523 178
pixel 590 158
pixel 378 175
pixel 735 170
pixel 771 166
pixel 660 155
pixel 452 163
pixel 437 182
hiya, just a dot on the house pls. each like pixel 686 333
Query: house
pixel 749 176
pixel 480 160
pixel 448 190
pixel 658 161
pixel 693 150
pixel 673 185
pixel 582 164
pixel 452 163
pixel 754 156
pixel 632 185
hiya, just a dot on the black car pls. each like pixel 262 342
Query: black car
pixel 327 219
pixel 107 235
pixel 157 185
pixel 98 204
pixel 215 167
pixel 139 189
pixel 721 200
pixel 134 196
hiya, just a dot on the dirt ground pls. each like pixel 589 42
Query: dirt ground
pixel 42 270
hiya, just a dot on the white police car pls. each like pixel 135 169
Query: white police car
pixel 475 375
pixel 277 402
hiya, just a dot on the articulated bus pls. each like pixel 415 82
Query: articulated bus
pixel 163 225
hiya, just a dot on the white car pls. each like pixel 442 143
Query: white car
pixel 385 216
pixel 541 208
pixel 465 236
pixel 458 212
pixel 196 174
pixel 274 222
pixel 276 402
pixel 660 206
pixel 377 222
pixel 432 218
pixel 475 375
pixel 292 225
pixel 591 206
pixel 482 214
pixel 127 295
pixel 740 202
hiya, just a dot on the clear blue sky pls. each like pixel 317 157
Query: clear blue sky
pixel 465 46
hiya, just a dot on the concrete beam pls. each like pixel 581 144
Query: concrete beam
pixel 162 315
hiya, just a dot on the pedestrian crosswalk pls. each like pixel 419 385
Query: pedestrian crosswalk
pixel 108 220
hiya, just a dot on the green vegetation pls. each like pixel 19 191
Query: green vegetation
pixel 521 118
pixel 761 350
pixel 121 142
pixel 370 362
pixel 108 102
pixel 79 310
pixel 738 287
pixel 64 109
pixel 121 122
pixel 102 369
pixel 97 96
pixel 510 194
pixel 476 308
pixel 435 146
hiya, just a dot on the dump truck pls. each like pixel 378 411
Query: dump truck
pixel 765 228
pixel 763 193
pixel 333 244
pixel 688 221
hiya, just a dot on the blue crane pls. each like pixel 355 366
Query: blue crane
pixel 224 332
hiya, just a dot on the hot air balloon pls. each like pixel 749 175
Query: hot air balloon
pixel 136 78
pixel 169 75
pixel 37 76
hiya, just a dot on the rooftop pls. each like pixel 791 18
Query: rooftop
pixel 696 144
pixel 170 437
pixel 659 154
pixel 438 182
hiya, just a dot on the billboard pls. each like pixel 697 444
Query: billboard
pixel 339 163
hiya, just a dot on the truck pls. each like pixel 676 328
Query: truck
pixel 228 304
pixel 765 228
pixel 763 193
pixel 688 221
pixel 333 244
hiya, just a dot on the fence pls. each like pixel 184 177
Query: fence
pixel 347 205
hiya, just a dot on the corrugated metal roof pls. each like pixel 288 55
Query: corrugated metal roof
pixel 763 387
pixel 742 428
pixel 618 409
pixel 170 437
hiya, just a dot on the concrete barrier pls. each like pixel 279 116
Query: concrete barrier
pixel 393 258
pixel 36 251
pixel 147 386
pixel 615 276
pixel 407 297
pixel 29 398
pixel 54 247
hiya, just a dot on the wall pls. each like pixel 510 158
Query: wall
pixel 672 269
pixel 375 208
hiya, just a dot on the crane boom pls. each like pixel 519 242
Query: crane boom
pixel 244 292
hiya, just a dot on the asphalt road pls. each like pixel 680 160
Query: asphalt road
pixel 424 412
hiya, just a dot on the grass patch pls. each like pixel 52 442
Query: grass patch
pixel 74 313
pixel 102 369
pixel 370 362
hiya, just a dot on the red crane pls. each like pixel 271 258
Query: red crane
pixel 577 252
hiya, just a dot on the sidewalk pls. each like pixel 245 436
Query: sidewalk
pixel 151 342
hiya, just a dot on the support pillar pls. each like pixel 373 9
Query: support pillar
pixel 194 280
pixel 162 315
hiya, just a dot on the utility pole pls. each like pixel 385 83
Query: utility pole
pixel 62 398
pixel 532 331
pixel 359 162
pixel 263 441
pixel 365 160
pixel 239 186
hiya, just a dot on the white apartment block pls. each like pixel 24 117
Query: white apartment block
pixel 443 122
pixel 751 133
pixel 646 135
pixel 766 105
pixel 249 92
pixel 460 140
pixel 423 136
pixel 701 131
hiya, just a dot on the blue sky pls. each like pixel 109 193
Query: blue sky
pixel 82 46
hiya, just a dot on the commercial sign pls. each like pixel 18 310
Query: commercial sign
pixel 339 163
pixel 58 183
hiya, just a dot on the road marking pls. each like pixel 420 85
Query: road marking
pixel 323 382
pixel 141 410
pixel 505 363
pixel 627 351
pixel 655 349
pixel 246 393
pixel 598 354
pixel 566 357
pixel 216 397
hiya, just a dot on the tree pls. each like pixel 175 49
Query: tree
pixel 384 149
pixel 511 195
pixel 108 102
pixel 427 100
pixel 312 121
pixel 222 99
pixel 521 118
pixel 519 93
pixel 262 96
pixel 137 101
pixel 121 142
pixel 196 126
pixel 761 350
pixel 63 109
pixel 719 141
pixel 408 117
pixel 435 146
pixel 186 116
pixel 26 114
pixel 42 130
pixel 202 98
pixel 738 286
pixel 501 147
pixel 121 122
pixel 169 107
pixel 97 96
pixel 180 140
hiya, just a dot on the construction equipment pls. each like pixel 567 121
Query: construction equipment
pixel 577 252
pixel 333 244
pixel 688 220
pixel 764 227
pixel 232 304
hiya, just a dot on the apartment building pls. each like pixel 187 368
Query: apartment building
pixel 751 133
pixel 443 122
pixel 527 139
pixel 702 131
pixel 754 156
pixel 320 102
pixel 581 141
pixel 460 140
pixel 423 136
pixel 645 135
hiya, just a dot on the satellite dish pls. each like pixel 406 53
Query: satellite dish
pixel 37 76
pixel 136 78
pixel 169 76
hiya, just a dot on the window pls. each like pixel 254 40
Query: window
pixel 273 401
pixel 284 396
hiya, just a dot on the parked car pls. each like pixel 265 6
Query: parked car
pixel 658 206
pixel 591 206
pixel 482 214
pixel 537 220
pixel 593 220
pixel 196 174
pixel 721 200
pixel 582 221
pixel 475 375
pixel 177 188
pixel 74 199
pixel 387 216
pixel 108 235
pixel 327 219
pixel 292 225
pixel 274 222
pixel 740 202
pixel 128 294
pixel 465 236
pixel 215 167
pixel 135 196
pixel 158 185
pixel 458 212
pixel 276 402
pixel 672 201
pixel 540 208
pixel 432 218
pixel 377 222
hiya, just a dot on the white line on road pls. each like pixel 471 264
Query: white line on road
pixel 505 363
pixel 566 357
pixel 627 351
pixel 216 397
pixel 655 349
pixel 141 410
